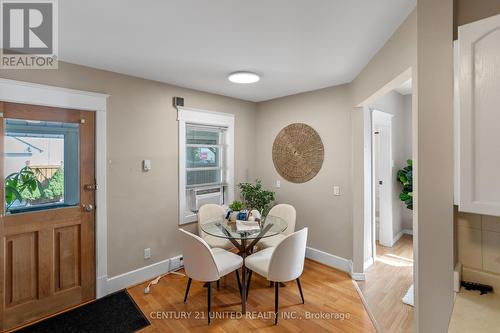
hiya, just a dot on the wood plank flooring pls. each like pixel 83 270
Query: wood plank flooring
pixel 387 281
pixel 326 291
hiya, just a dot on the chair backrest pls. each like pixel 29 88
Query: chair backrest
pixel 199 261
pixel 287 260
pixel 207 212
pixel 286 212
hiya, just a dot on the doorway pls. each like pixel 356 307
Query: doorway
pixel 47 225
pixel 388 269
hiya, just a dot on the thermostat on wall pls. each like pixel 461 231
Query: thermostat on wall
pixel 146 165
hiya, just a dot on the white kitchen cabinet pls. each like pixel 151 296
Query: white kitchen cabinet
pixel 479 117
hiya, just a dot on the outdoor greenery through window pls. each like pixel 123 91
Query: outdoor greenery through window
pixel 204 155
pixel 41 167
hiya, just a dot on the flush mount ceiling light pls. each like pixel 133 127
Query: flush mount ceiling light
pixel 243 77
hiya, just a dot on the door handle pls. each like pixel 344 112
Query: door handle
pixel 88 207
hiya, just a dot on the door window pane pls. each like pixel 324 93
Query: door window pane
pixel 41 165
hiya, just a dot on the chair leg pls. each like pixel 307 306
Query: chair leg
pixel 300 289
pixel 187 290
pixel 209 300
pixel 238 280
pixel 218 284
pixel 276 302
pixel 271 284
pixel 249 280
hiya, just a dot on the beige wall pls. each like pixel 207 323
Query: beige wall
pixel 327 216
pixel 142 124
pixel 478 242
pixel 397 55
pixel 434 151
pixel 390 67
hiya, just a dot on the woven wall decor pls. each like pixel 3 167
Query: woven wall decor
pixel 298 153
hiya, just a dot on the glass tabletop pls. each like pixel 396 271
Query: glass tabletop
pixel 222 228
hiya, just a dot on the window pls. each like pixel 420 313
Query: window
pixel 204 155
pixel 41 165
pixel 206 150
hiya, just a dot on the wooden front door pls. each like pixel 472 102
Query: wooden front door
pixel 47 230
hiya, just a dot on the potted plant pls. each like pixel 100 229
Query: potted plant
pixel 256 197
pixel 405 177
pixel 235 208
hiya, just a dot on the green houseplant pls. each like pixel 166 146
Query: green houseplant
pixel 405 177
pixel 236 206
pixel 254 196
pixel 18 183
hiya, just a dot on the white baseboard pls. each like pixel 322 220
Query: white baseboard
pixel 457 277
pixel 334 261
pixel 368 263
pixel 329 259
pixel 136 276
pixel 400 234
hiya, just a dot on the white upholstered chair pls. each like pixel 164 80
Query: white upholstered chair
pixel 287 213
pixel 282 263
pixel 204 264
pixel 206 213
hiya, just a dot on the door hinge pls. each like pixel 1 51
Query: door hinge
pixel 91 187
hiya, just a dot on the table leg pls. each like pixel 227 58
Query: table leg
pixel 243 277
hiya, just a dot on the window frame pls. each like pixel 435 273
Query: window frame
pixel 190 116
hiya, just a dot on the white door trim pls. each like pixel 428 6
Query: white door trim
pixel 39 94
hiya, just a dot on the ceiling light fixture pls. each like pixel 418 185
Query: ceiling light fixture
pixel 243 77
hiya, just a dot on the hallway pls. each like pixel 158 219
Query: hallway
pixel 387 282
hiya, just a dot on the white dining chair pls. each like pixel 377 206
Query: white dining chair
pixel 286 212
pixel 202 263
pixel 205 214
pixel 282 263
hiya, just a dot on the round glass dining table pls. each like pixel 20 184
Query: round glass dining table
pixel 244 238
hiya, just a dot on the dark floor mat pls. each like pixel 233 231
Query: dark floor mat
pixel 115 313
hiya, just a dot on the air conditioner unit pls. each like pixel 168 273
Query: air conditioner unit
pixel 205 195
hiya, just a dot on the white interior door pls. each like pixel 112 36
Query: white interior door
pixel 382 176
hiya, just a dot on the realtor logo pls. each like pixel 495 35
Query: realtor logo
pixel 29 34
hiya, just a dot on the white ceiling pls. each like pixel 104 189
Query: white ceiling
pixel 296 45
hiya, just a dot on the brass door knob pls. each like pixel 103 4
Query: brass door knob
pixel 88 207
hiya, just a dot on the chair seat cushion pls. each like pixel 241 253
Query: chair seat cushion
pixel 259 261
pixel 226 261
pixel 222 243
pixel 272 241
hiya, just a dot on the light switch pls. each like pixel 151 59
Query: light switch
pixel 278 183
pixel 336 190
pixel 146 165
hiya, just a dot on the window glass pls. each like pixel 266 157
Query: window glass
pixel 203 177
pixel 41 165
pixel 202 135
pixel 202 157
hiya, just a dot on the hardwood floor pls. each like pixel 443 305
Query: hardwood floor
pixel 326 291
pixel 387 281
